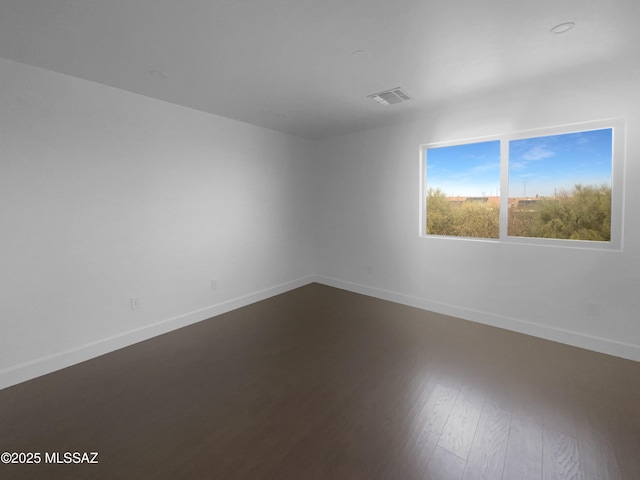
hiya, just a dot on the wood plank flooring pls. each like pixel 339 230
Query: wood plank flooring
pixel 320 383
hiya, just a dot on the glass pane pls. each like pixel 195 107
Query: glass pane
pixel 560 186
pixel 463 190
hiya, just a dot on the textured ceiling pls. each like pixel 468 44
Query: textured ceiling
pixel 288 64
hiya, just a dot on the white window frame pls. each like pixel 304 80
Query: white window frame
pixel 618 161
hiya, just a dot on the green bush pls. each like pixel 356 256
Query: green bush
pixel 467 219
pixel 584 213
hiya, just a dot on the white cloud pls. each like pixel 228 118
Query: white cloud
pixel 487 167
pixel 539 152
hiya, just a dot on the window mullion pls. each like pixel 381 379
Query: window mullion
pixel 504 188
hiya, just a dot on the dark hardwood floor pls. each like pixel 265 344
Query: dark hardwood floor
pixel 320 383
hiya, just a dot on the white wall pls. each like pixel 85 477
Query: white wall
pixel 106 195
pixel 368 216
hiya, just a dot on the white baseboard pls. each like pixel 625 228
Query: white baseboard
pixel 576 339
pixel 44 365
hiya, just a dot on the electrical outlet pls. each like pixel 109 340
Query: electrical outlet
pixel 214 284
pixel 135 303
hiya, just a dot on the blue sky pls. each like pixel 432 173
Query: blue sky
pixel 544 164
pixel 465 170
pixel 537 166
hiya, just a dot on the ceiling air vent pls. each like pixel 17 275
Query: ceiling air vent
pixel 389 97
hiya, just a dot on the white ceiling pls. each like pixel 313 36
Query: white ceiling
pixel 288 64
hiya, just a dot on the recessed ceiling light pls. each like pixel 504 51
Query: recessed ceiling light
pixel 563 28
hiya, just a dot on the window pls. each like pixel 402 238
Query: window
pixel 557 186
pixel 460 178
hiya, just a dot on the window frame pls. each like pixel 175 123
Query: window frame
pixel 618 160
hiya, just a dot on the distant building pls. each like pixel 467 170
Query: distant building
pixel 517 203
pixel 490 201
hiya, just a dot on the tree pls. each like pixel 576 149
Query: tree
pixel 439 220
pixel 463 219
pixel 582 214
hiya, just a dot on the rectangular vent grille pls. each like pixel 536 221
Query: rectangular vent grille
pixel 390 97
